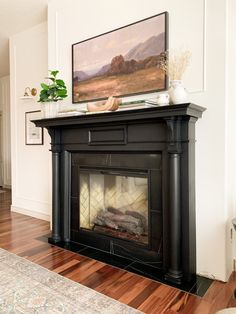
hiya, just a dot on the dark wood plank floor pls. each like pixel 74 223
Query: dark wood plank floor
pixel 18 234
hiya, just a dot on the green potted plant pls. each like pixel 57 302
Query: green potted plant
pixel 51 94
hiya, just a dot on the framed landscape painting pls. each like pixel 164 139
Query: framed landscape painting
pixel 121 62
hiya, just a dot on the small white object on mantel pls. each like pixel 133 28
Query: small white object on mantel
pixel 163 99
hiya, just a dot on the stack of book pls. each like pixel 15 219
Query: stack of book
pixel 139 104
pixel 71 112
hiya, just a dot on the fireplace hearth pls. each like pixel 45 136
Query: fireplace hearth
pixel 123 183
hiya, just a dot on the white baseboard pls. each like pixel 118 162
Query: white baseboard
pixel 211 276
pixel 30 213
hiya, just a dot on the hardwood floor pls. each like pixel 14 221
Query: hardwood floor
pixel 19 233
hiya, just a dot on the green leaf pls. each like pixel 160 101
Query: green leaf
pixel 43 92
pixel 54 73
pixel 43 97
pixel 61 92
pixel 60 83
pixel 44 86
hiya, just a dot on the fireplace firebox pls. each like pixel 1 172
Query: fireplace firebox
pixel 114 203
pixel 117 198
pixel 124 183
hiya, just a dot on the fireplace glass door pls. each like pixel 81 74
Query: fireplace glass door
pixel 115 203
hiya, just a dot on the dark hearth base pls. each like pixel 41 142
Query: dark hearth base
pixel 197 286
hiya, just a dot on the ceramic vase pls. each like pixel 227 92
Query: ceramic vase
pixel 178 94
pixel 49 109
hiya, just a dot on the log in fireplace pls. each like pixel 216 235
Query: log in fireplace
pixel 124 183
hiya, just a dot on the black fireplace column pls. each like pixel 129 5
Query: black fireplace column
pixel 56 183
pixel 174 273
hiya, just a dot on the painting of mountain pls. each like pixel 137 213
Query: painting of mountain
pixel 103 70
pixel 122 62
pixel 80 75
pixel 155 45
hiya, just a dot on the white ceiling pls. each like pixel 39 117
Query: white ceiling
pixel 15 17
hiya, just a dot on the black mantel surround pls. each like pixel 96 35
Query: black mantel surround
pixel 167 130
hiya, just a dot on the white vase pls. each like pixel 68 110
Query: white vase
pixel 178 94
pixel 50 109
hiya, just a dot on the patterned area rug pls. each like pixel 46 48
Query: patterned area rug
pixel 26 287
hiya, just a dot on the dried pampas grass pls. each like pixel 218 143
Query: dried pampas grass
pixel 174 63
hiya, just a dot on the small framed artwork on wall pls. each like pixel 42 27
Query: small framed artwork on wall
pixel 33 134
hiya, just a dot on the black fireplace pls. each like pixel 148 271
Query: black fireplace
pixel 124 183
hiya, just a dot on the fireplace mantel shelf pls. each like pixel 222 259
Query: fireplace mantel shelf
pixel 109 140
pixel 187 109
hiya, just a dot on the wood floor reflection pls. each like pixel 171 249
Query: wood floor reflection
pixel 19 233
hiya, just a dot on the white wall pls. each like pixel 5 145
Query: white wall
pixel 201 27
pixel 231 128
pixel 210 149
pixel 31 165
pixel 5 132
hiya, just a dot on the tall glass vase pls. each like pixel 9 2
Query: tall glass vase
pixel 177 93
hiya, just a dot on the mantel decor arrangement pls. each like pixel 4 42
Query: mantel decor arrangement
pixel 51 94
pixel 174 64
